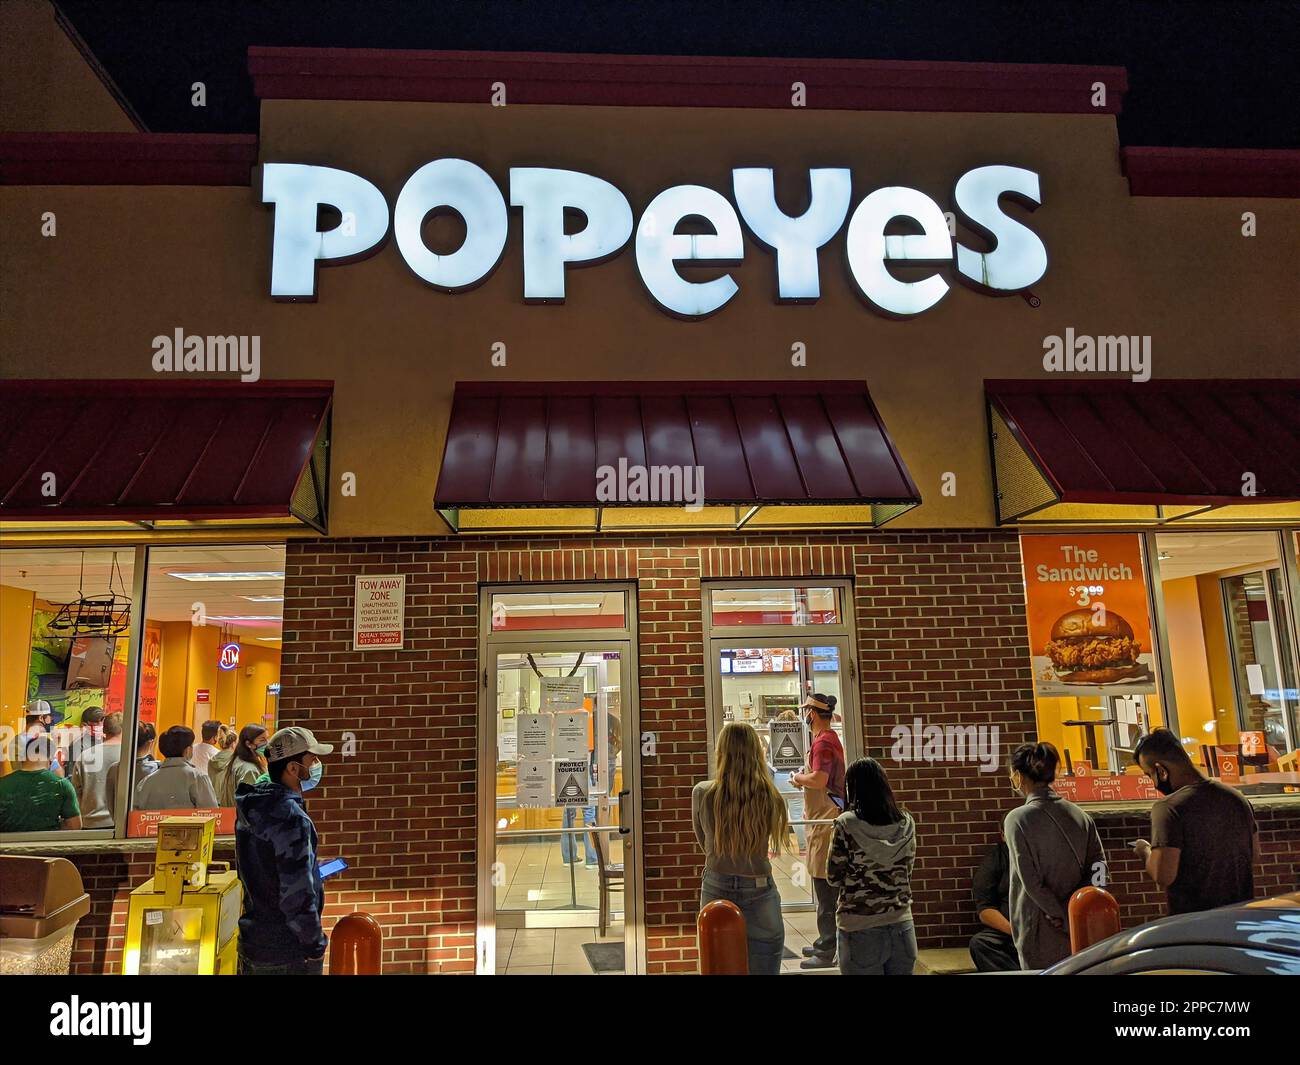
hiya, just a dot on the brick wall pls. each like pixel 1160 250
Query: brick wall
pixel 941 636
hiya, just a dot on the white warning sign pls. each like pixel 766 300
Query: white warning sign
pixel 571 788
pixel 786 744
pixel 561 693
pixel 534 732
pixel 533 785
pixel 571 735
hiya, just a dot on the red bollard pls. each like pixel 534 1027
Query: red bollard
pixel 724 950
pixel 356 946
pixel 1094 916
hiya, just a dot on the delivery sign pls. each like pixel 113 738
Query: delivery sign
pixel 1089 632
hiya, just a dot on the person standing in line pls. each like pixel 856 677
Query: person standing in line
pixel 823 790
pixel 1054 850
pixel 992 948
pixel 204 751
pixel 92 771
pixel 1204 840
pixel 145 763
pixel 240 764
pixel 873 848
pixel 34 798
pixel 176 785
pixel 280 932
pixel 739 816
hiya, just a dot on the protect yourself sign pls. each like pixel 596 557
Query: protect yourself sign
pixel 1011 258
pixel 786 744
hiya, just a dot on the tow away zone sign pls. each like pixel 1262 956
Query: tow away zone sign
pixel 379 613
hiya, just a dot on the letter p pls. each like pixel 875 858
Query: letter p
pixel 298 192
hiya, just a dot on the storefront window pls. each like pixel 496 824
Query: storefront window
pixel 763 680
pixel 743 607
pixel 1224 613
pixel 1231 652
pixel 211 664
pixel 65 618
pixel 524 611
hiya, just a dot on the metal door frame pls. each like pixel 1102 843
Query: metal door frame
pixel 491 643
pixel 843 635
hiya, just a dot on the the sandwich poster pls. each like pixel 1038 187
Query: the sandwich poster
pixel 1087 604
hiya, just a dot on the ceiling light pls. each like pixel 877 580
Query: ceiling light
pixel 270 639
pixel 263 598
pixel 243 617
pixel 254 575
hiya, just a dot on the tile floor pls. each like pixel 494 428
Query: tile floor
pixel 558 951
pixel 536 878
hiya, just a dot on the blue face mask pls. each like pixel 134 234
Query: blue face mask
pixel 317 771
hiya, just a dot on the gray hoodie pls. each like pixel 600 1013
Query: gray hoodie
pixel 872 867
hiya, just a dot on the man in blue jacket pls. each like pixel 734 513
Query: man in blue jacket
pixel 275 844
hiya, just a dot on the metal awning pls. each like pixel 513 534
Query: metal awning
pixel 120 456
pixel 566 455
pixel 1118 452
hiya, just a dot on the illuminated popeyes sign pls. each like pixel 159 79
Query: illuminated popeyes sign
pixel 1015 257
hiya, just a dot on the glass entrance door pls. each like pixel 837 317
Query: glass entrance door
pixel 556 784
pixel 762 683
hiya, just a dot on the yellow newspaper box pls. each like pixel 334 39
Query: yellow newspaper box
pixel 184 921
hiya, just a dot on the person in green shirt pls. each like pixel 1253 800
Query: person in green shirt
pixel 34 799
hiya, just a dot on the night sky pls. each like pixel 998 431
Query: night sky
pixel 1211 74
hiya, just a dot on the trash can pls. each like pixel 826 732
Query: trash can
pixel 41 901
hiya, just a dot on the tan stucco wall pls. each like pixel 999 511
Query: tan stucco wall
pixel 131 263
pixel 47 84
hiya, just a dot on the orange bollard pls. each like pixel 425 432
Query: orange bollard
pixel 356 946
pixel 724 950
pixel 1094 916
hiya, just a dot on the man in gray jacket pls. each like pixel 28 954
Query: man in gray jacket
pixel 176 785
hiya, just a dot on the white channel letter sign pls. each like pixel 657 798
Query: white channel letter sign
pixel 1015 257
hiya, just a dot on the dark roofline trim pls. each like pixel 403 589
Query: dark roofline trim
pixel 1243 172
pixel 97 68
pixel 679 81
pixel 127 158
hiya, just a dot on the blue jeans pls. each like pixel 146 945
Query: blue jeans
pixel 887 951
pixel 764 927
pixel 568 842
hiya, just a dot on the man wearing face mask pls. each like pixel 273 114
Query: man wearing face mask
pixel 275 845
pixel 1204 839
pixel 822 781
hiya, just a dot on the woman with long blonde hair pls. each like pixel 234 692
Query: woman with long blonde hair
pixel 738 817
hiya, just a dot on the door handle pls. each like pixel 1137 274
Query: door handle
pixel 623 830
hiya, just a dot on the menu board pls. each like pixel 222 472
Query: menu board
pixel 1086 598
pixel 759 660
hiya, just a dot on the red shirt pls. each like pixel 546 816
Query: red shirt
pixel 827 756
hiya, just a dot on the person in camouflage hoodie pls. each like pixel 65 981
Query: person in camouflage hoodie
pixel 873 847
pixel 275 845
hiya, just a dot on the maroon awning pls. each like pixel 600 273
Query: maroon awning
pixel 1177 443
pixel 151 451
pixel 524 444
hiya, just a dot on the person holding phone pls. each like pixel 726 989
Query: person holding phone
pixel 280 931
pixel 822 781
pixel 1054 849
pixel 1204 839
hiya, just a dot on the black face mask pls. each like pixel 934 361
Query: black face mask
pixel 1166 786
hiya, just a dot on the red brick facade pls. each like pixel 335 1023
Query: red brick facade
pixel 941 636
